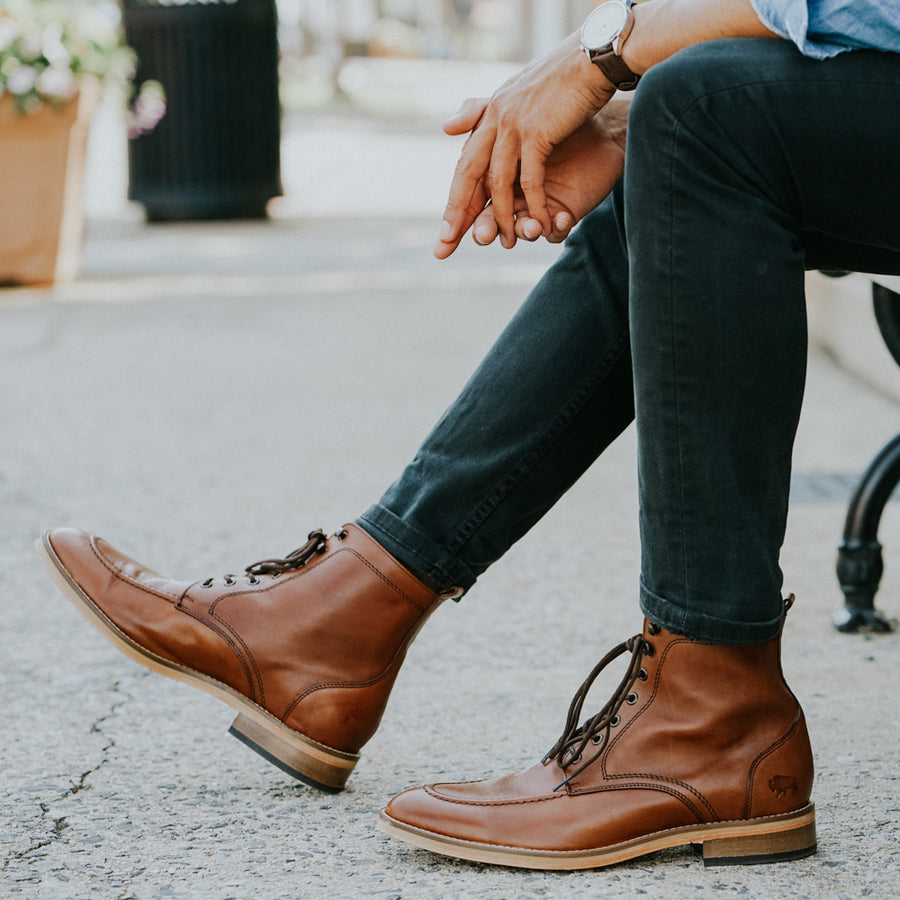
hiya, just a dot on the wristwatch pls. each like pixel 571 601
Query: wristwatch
pixel 602 35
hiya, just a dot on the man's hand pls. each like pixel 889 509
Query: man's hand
pixel 513 134
pixel 504 161
pixel 578 175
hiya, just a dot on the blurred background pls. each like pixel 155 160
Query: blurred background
pixel 238 109
pixel 362 87
pixel 432 29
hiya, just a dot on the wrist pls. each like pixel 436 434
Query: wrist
pixel 662 27
pixel 583 75
pixel 634 48
pixel 603 35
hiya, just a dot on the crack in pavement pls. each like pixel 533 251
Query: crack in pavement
pixel 56 826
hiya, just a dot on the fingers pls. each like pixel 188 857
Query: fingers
pixel 491 157
pixel 563 223
pixel 502 180
pixel 467 117
pixel 485 229
pixel 457 222
pixel 531 183
pixel 530 229
pixel 448 240
pixel 485 232
pixel 467 196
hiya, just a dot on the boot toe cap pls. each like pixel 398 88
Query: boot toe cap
pixel 425 809
pixel 96 567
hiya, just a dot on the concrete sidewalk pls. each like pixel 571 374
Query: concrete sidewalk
pixel 205 396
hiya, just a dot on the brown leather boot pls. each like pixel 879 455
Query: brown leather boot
pixel 305 648
pixel 700 744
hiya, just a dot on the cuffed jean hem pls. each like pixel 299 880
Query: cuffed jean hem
pixel 428 561
pixel 705 628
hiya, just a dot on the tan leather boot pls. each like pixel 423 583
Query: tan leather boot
pixel 305 648
pixel 700 744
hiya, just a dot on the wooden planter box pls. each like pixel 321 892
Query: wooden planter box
pixel 41 177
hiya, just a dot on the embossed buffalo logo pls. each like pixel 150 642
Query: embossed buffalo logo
pixel 784 786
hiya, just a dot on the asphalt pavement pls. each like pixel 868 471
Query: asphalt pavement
pixel 204 396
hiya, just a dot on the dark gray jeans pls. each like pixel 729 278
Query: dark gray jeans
pixel 678 302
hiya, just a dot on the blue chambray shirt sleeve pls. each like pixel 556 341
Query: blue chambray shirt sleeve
pixel 824 28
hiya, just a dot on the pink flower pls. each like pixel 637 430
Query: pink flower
pixel 148 108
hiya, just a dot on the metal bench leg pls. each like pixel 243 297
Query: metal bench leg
pixel 860 563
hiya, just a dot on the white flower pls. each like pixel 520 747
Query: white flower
pixel 8 33
pixel 21 80
pixel 54 49
pixel 56 83
pixel 8 66
pixel 46 46
pixel 31 46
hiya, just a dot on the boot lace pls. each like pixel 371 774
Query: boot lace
pixel 296 559
pixel 575 740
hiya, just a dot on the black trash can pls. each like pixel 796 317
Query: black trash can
pixel 216 152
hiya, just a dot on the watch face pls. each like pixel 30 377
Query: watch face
pixel 603 24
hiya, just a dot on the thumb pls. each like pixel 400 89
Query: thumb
pixel 467 117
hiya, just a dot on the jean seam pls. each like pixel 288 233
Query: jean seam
pixel 674 367
pixel 490 504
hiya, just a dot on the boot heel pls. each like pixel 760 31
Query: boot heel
pixel 315 764
pixel 777 839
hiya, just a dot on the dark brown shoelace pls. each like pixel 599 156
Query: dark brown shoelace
pixel 296 559
pixel 569 750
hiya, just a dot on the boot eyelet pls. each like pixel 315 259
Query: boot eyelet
pixel 614 721
pixel 207 584
pixel 648 648
pixel 631 699
pixel 597 739
pixel 653 628
pixel 229 580
pixel 253 579
pixel 643 675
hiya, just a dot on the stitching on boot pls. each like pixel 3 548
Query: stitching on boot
pixel 657 779
pixel 321 563
pixel 246 660
pixel 751 780
pixel 429 789
pixel 399 653
pixel 120 574
pixel 662 787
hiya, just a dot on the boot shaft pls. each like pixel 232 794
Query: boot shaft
pixel 716 725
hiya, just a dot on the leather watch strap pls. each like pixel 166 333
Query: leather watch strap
pixel 613 67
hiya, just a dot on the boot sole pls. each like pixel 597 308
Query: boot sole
pixel 741 842
pixel 303 758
